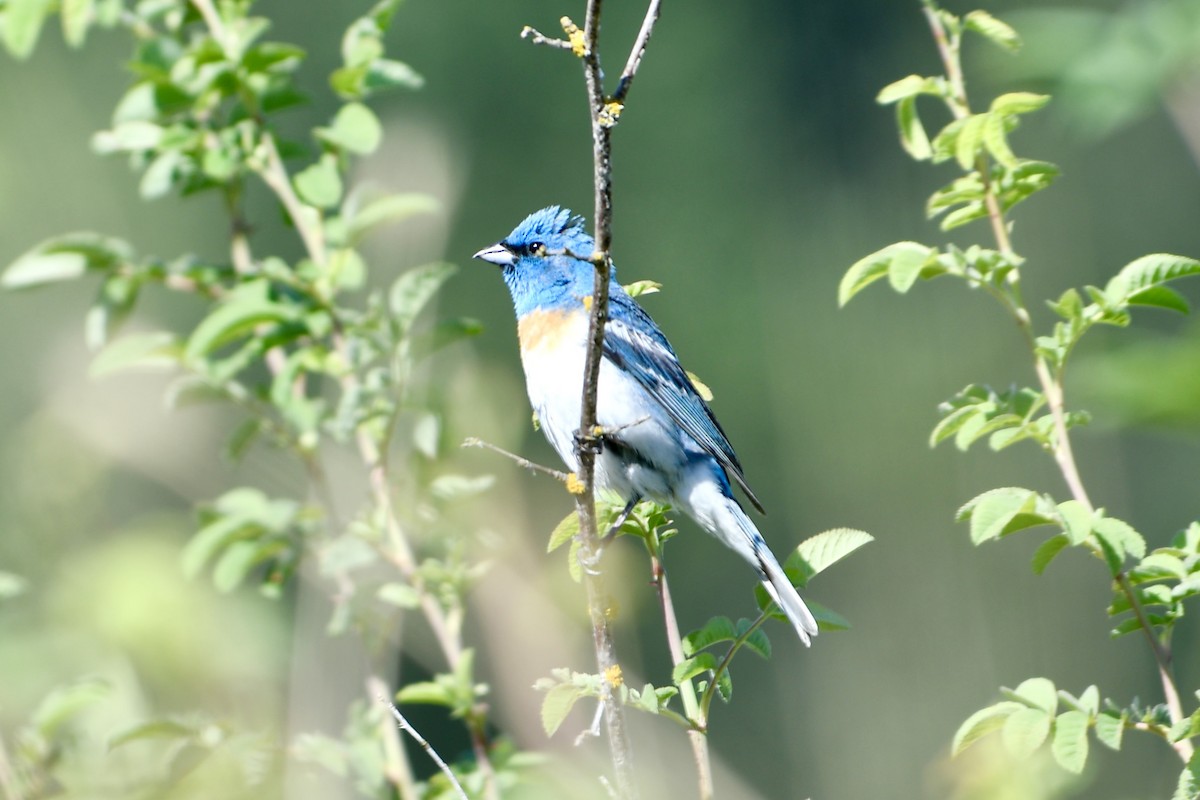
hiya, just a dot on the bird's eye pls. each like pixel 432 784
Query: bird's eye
pixel 537 249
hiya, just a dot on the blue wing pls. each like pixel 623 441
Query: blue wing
pixel 634 343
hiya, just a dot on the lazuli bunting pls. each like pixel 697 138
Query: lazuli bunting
pixel 660 440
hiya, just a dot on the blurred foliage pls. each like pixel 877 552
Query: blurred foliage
pixel 1150 589
pixel 751 166
pixel 289 346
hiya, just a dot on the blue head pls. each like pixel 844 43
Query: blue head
pixel 537 268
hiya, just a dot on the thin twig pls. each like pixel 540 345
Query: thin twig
pixel 697 737
pixel 1051 382
pixel 275 175
pixel 524 463
pixel 411 731
pixel 639 50
pixel 537 37
pixel 396 766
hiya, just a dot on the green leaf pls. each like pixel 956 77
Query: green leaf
pixel 827 619
pixel 1188 787
pixel 999 512
pixel 1038 693
pixel 76 19
pixel 1015 103
pixel 65 258
pixel 1109 727
pixel 968 144
pixel 691 667
pixel 1159 565
pixel 906 266
pixel 155 729
pixel 320 184
pixel 235 564
pixel 981 723
pixel 908 87
pixel 243 309
pixel 1089 701
pixel 211 539
pixel 1048 550
pixel 413 290
pixel 819 552
pixel 995 139
pixel 1077 521
pixel 757 641
pixel 1161 297
pixel 639 288
pixel 64 703
pixel 1147 272
pixel 387 209
pixel 1070 743
pixel 700 386
pixel 867 270
pixel 1000 33
pixel 1118 539
pixel 425 693
pixel 913 138
pixel 134 135
pixel 388 73
pixel 557 704
pixel 717 629
pixel 399 594
pixel 355 128
pixel 1025 730
pixel 563 532
pixel 155 350
pixel 22 23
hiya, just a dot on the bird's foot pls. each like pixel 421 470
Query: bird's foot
pixel 591 563
pixel 591 442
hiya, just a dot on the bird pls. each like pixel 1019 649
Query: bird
pixel 659 440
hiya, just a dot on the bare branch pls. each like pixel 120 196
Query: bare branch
pixel 537 37
pixel 411 731
pixel 532 466
pixel 639 49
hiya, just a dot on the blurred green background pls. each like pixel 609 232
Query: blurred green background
pixel 752 166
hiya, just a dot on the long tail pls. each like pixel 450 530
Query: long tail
pixel 720 514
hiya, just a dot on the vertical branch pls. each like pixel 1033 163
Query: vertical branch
pixel 697 737
pixel 603 113
pixel 948 45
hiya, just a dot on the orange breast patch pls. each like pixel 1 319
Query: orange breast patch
pixel 542 328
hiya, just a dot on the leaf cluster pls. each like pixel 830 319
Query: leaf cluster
pixel 309 350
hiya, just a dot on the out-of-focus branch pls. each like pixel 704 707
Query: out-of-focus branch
pixel 1051 380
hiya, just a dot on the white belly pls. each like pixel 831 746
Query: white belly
pixel 653 457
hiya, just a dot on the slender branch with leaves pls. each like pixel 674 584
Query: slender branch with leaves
pixel 311 360
pixel 1150 589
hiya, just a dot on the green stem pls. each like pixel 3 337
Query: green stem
pixel 710 690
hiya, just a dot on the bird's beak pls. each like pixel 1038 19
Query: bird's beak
pixel 497 254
